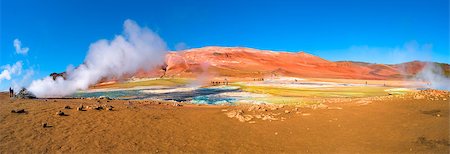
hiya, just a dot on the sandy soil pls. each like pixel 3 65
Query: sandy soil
pixel 390 126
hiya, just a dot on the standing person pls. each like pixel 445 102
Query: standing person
pixel 11 92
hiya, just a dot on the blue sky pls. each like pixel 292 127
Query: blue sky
pixel 58 33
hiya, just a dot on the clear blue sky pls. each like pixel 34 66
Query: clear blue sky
pixel 58 33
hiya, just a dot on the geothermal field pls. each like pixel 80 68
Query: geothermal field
pixel 283 114
pixel 222 99
pixel 224 91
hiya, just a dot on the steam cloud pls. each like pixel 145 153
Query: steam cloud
pixel 432 74
pixel 9 70
pixel 137 48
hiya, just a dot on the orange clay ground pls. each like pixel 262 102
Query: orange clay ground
pixel 413 122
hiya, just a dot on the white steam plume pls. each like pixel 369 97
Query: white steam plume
pixel 138 48
pixel 9 70
pixel 433 74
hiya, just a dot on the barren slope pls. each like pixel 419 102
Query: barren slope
pixel 253 63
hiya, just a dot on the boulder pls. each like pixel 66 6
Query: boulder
pixel 25 94
pixel 18 111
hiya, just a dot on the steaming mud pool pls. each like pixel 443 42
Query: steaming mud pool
pixel 197 95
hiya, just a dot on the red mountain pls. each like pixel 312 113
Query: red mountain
pixel 247 62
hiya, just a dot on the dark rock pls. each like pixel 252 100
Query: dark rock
pixel 18 111
pixel 98 108
pixel 60 113
pixel 25 94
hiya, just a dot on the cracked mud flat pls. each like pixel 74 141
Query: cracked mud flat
pixel 390 125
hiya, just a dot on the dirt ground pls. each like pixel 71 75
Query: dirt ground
pixel 389 126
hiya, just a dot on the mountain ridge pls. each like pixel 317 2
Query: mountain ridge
pixel 249 62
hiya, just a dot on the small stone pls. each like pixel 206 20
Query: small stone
pixel 104 97
pixel 80 108
pixel 286 111
pixel 248 117
pixel 231 114
pixel 67 107
pixel 44 125
pixel 252 122
pixel 276 133
pixel 224 110
pixel 60 113
pixel 240 118
pixel 98 108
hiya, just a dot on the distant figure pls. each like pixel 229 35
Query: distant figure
pixel 11 92
pixel 366 82
pixel 226 81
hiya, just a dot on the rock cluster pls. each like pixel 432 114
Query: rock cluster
pixel 431 94
pixel 265 112
pixel 239 114
pixel 96 107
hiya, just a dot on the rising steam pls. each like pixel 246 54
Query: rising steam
pixel 434 77
pixel 137 48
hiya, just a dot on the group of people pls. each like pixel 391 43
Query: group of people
pixel 218 82
pixel 258 79
pixel 11 92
